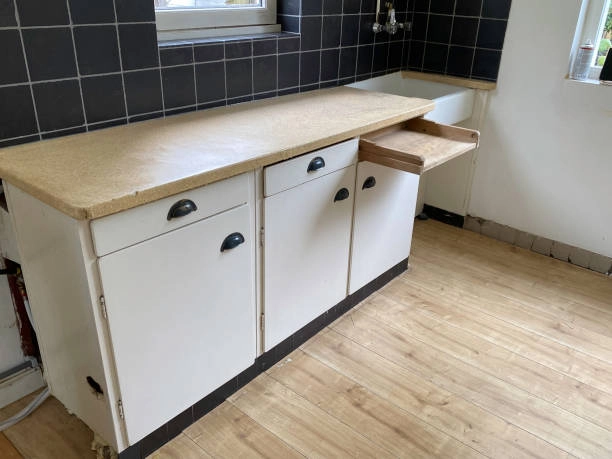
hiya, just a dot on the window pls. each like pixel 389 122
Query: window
pixel 180 19
pixel 598 28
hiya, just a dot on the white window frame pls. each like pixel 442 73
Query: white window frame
pixel 594 18
pixel 177 24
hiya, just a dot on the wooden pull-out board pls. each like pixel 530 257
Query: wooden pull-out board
pixel 417 145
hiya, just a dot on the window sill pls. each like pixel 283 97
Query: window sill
pixel 588 81
pixel 235 34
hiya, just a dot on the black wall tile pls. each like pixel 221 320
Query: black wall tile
pixel 42 13
pixel 135 11
pixel 351 6
pixel 312 7
pixel 499 9
pixel 138 46
pixel 460 61
pixel 348 62
pixel 369 7
pixel 264 47
pixel 239 77
pixel 179 86
pixel 311 33
pixel 366 35
pixel 7 13
pixel 442 6
pixel 396 49
pixel 419 26
pixel 364 59
pixel 97 49
pixel 103 98
pixel 238 49
pixel 291 7
pixel 464 31
pixel 288 45
pixel 58 104
pixel 92 11
pixel 207 53
pixel 421 6
pixel 210 81
pixel 309 67
pixel 143 91
pixel 264 95
pixel 350 30
pixel 16 112
pixel 439 28
pixel 415 56
pixel 332 7
pixel 176 56
pixel 491 34
pixel 289 23
pixel 468 7
pixel 332 27
pixel 50 53
pixel 330 59
pixel 13 68
pixel 381 52
pixel 486 64
pixel 288 70
pixel 435 57
pixel 264 73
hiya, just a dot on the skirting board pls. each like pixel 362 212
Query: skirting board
pixel 19 385
pixel 174 427
pixel 541 245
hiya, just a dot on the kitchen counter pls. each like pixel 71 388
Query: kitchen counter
pixel 99 173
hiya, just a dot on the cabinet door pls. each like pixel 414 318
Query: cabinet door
pixel 385 201
pixel 181 316
pixel 306 252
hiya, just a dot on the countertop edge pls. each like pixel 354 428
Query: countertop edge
pixel 205 178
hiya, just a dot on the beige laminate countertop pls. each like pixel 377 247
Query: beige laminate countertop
pixel 99 173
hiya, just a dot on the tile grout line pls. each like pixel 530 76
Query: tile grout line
pixel 76 63
pixel 27 66
pixel 123 86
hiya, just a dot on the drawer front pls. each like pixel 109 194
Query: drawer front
pixel 310 166
pixel 141 223
pixel 181 331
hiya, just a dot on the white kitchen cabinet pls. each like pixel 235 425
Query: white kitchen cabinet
pixel 181 316
pixel 385 201
pixel 306 252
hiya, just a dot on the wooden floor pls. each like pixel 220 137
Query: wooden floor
pixel 480 349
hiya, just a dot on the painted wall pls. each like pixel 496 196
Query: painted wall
pixel 545 161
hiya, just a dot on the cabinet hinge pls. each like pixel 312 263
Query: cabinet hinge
pixel 120 406
pixel 262 322
pixel 261 237
pixel 103 306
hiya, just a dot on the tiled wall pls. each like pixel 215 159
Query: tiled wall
pixel 70 66
pixel 461 38
pixel 78 65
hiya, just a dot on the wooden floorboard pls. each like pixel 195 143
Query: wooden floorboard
pixel 481 349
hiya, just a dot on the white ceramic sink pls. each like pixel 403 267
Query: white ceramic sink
pixel 454 104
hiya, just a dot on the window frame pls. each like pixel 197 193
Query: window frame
pixel 186 23
pixel 592 26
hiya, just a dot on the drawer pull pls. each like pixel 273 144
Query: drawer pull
pixel 181 208
pixel 232 241
pixel 370 182
pixel 316 164
pixel 341 195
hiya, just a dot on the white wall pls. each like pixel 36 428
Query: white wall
pixel 545 161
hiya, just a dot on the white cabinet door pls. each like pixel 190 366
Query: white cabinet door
pixel 385 201
pixel 306 252
pixel 181 315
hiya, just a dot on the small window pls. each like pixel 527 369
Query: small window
pixel 182 19
pixel 598 28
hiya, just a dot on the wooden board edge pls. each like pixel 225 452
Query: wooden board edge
pixel 378 158
pixel 456 81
